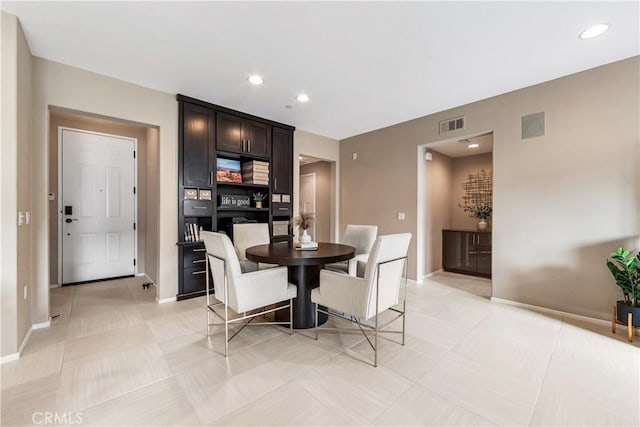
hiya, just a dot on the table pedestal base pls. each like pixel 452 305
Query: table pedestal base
pixel 305 277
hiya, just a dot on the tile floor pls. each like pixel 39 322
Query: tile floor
pixel 115 357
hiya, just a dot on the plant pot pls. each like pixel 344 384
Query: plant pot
pixel 623 309
pixel 259 205
pixel 483 225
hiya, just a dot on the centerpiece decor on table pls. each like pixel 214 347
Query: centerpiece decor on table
pixel 303 222
pixel 478 197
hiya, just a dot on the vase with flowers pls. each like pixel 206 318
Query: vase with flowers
pixel 480 212
pixel 303 222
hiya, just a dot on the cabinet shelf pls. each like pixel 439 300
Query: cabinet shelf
pixel 247 156
pixel 240 185
pixel 244 209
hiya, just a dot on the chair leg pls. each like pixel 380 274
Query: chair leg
pixel 375 345
pixel 226 329
pixel 613 320
pixel 316 321
pixel 290 316
pixel 630 327
pixel 404 315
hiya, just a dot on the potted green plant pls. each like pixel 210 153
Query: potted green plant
pixel 623 265
pixel 258 198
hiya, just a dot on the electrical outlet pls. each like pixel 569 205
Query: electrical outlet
pixel 400 216
pixel 24 291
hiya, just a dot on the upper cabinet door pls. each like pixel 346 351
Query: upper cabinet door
pixel 198 145
pixel 282 161
pixel 257 138
pixel 229 133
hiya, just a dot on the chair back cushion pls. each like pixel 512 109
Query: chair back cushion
pixel 381 259
pixel 219 246
pixel 247 235
pixel 360 237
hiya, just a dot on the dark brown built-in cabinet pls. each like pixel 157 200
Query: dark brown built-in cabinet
pixel 239 135
pixel 467 252
pixel 208 132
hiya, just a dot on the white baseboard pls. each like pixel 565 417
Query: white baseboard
pixel 9 358
pixel 551 311
pixel 24 341
pixel 165 300
pixel 426 276
pixel 54 285
pixel 41 325
pixel 141 274
pixel 16 356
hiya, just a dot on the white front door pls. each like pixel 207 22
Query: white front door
pixel 97 205
pixel 308 199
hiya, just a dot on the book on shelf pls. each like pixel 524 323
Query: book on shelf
pixel 255 175
pixel 255 163
pixel 192 232
pixel 255 168
pixel 257 182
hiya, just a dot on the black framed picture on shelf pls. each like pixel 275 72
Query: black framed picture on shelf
pixel 228 170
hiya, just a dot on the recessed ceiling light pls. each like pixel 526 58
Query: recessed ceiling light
pixel 302 97
pixel 594 31
pixel 288 106
pixel 255 79
pixel 473 145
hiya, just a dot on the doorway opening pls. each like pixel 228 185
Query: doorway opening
pixel 105 189
pixel 316 195
pixel 455 191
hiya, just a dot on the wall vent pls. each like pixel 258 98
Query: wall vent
pixel 450 125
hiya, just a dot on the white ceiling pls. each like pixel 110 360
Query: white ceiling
pixel 365 65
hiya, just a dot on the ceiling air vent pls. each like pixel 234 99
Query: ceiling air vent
pixel 450 125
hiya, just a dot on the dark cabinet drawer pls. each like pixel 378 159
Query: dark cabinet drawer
pixel 193 279
pixel 194 256
pixel 198 208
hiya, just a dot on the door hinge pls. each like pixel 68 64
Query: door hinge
pixel 134 261
pixel 134 154
pixel 134 190
pixel 134 225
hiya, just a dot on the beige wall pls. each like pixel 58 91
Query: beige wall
pixel 324 185
pixel 152 202
pixel 61 86
pixel 95 124
pixel 324 148
pixel 461 168
pixel 15 181
pixel 562 202
pixel 438 176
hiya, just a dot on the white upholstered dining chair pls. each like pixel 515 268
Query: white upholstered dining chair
pixel 360 237
pixel 247 235
pixel 364 298
pixel 242 292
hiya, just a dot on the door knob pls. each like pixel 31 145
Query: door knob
pixel 68 220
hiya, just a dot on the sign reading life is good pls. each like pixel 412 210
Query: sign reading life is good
pixel 227 201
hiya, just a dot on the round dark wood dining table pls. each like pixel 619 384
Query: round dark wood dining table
pixel 303 271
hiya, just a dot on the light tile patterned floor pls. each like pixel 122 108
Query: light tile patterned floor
pixel 115 357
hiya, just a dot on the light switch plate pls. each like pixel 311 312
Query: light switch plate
pixel 401 216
